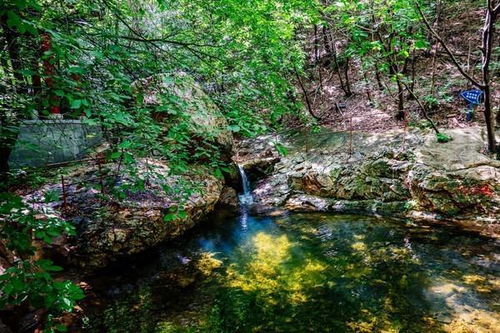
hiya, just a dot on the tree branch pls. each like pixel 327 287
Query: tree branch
pixel 424 110
pixel 140 37
pixel 447 49
pixel 164 40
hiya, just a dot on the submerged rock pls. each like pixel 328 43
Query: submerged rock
pixel 393 173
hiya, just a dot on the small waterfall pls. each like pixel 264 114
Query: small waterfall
pixel 246 197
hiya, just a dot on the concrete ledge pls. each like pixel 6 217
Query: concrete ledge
pixel 42 142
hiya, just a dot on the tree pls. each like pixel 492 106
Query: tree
pixel 492 11
pixel 381 33
pixel 88 54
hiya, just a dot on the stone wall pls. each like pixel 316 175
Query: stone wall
pixel 42 142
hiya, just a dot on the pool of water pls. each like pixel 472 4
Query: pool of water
pixel 305 273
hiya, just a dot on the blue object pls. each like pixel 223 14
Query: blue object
pixel 473 98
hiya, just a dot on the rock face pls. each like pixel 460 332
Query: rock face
pixel 392 173
pixel 108 229
pixel 141 221
pixel 179 97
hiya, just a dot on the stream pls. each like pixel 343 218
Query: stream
pixel 283 272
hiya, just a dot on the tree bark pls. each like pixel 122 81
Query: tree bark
pixel 8 135
pixel 401 100
pixel 488 32
pixel 348 91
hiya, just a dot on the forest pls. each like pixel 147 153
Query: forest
pixel 249 166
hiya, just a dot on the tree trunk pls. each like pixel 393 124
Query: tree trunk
pixel 316 56
pixel 306 96
pixel 413 71
pixel 488 32
pixel 8 136
pixel 348 91
pixel 401 100
pixel 345 85
pixel 498 118
pixel 326 40
pixel 49 69
pixel 4 163
pixel 12 49
pixel 433 75
pixel 379 80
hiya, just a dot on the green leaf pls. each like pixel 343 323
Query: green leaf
pixel 14 21
pixel 182 214
pixel 281 149
pixel 443 138
pixel 61 328
pixel 125 144
pixel 234 128
pixel 76 103
pixel 169 217
pixel 115 155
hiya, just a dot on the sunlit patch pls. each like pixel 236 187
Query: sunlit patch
pixel 273 270
pixel 481 284
pixel 206 263
pixel 362 326
pixel 359 246
pixel 473 279
pixel 446 289
pixel 359 237
pixel 476 321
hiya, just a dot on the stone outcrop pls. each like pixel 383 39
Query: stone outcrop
pixel 108 229
pixel 395 173
pixel 119 210
pixel 179 97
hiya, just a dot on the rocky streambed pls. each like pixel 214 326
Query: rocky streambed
pixel 395 173
pixel 292 253
pixel 389 174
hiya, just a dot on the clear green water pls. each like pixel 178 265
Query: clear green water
pixel 306 273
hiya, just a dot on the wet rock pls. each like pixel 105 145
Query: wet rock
pixel 384 173
pixel 229 197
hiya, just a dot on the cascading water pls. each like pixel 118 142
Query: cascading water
pixel 246 197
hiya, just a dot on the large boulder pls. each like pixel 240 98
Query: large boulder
pixel 178 97
pixel 456 178
pixel 164 207
pixel 394 173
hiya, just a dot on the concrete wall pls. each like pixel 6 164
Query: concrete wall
pixel 42 142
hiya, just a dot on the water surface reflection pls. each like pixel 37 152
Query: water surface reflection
pixel 310 273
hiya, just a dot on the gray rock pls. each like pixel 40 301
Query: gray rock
pixel 386 173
